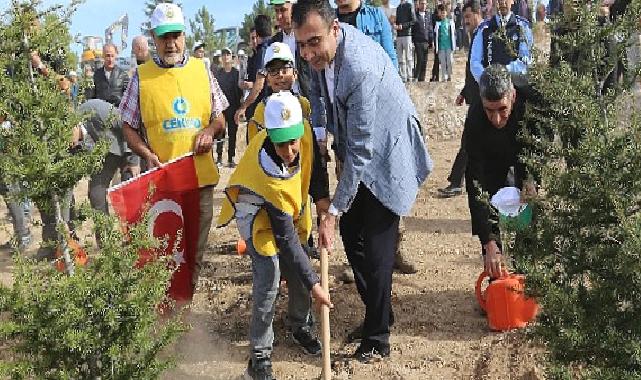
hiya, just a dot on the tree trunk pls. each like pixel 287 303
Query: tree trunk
pixel 62 237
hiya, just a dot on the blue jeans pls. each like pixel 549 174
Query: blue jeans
pixel 266 271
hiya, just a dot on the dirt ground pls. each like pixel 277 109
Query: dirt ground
pixel 439 331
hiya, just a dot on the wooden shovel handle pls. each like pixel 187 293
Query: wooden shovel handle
pixel 327 362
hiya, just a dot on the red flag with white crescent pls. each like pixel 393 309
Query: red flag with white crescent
pixel 174 210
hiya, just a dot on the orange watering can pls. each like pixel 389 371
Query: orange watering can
pixel 241 247
pixel 77 254
pixel 505 302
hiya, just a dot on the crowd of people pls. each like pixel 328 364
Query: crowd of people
pixel 328 75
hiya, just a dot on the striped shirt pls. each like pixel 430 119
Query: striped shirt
pixel 130 104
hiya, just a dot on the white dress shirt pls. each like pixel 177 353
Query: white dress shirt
pixel 329 78
pixel 290 40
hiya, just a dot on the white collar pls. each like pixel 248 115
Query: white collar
pixel 272 168
pixel 500 18
pixel 331 65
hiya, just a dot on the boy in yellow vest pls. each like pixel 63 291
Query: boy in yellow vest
pixel 280 71
pixel 268 195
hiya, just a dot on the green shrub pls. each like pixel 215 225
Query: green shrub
pixel 102 322
pixel 582 255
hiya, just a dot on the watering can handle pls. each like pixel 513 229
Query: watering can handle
pixel 479 294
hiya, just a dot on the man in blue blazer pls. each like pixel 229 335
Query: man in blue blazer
pixel 380 147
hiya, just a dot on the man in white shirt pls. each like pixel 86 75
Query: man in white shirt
pixel 200 53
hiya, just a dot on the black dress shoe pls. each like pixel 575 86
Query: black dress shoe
pixel 370 351
pixel 357 334
pixel 450 191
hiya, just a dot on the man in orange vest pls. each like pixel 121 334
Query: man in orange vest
pixel 180 106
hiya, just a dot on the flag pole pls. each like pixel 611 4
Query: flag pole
pixel 327 364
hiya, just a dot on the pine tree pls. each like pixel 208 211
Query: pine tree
pixel 203 29
pixel 582 253
pixel 37 148
pixel 98 321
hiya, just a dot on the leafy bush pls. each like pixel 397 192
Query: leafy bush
pixel 582 255
pixel 102 322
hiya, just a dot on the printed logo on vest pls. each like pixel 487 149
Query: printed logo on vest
pixel 180 106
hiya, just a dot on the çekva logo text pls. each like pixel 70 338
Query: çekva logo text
pixel 180 121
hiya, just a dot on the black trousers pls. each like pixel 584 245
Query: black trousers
pixel 435 66
pixel 231 131
pixel 370 235
pixel 421 60
pixel 458 167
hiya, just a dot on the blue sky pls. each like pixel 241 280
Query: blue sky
pixel 94 16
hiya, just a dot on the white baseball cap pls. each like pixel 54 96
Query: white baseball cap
pixel 241 52
pixel 284 117
pixel 199 44
pixel 167 18
pixel 280 51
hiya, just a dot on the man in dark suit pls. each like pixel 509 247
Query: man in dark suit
pixel 422 35
pixel 255 69
pixel 110 81
pixel 491 140
pixel 473 18
pixel 283 10
pixel 469 94
pixel 381 151
pixel 228 78
pixel 435 67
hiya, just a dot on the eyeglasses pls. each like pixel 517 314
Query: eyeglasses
pixel 279 70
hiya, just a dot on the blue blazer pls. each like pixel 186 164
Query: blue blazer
pixel 377 132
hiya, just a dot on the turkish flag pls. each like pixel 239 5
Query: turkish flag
pixel 174 210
